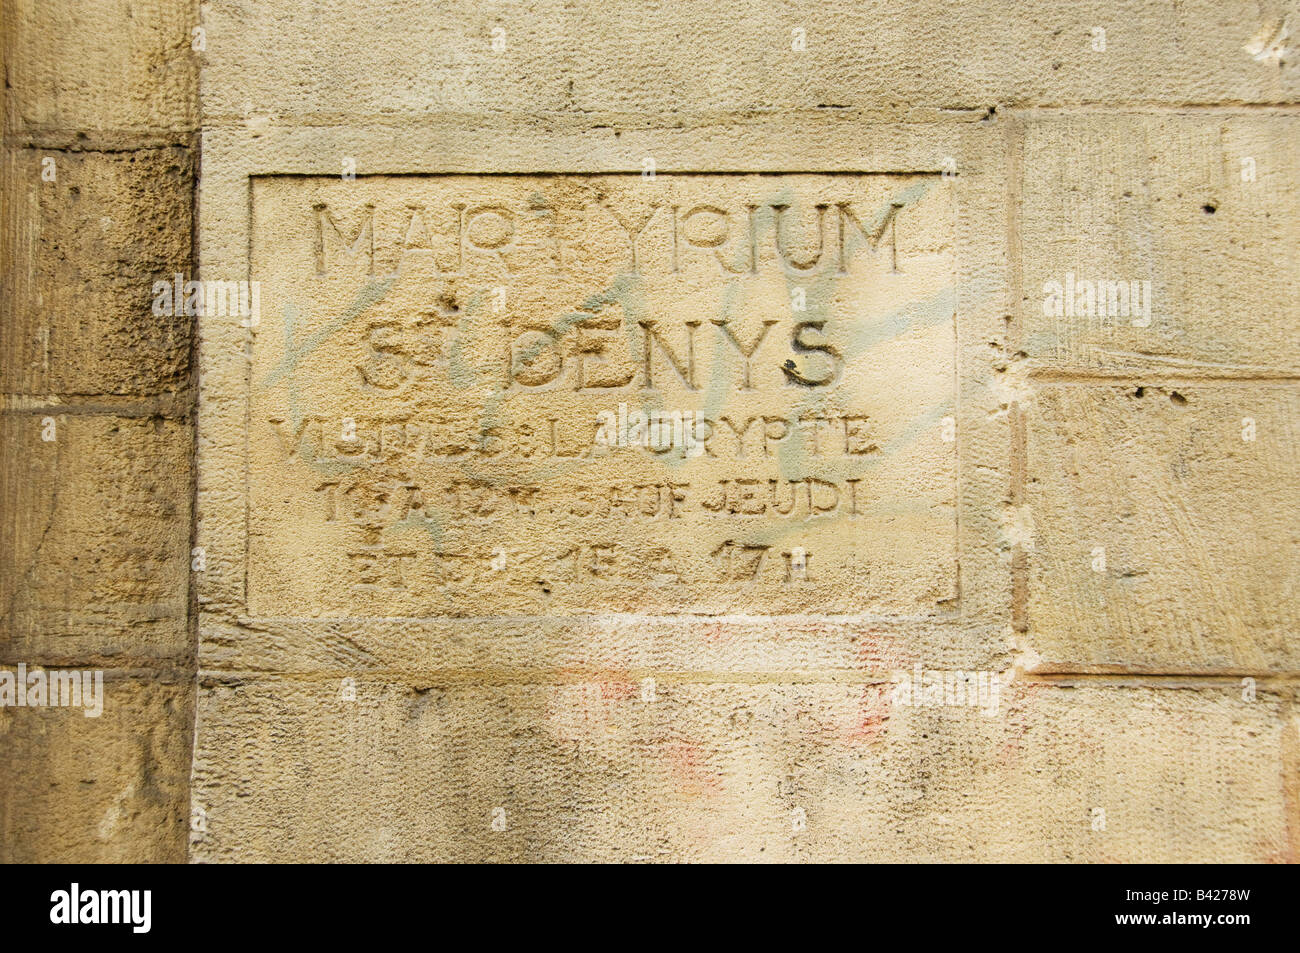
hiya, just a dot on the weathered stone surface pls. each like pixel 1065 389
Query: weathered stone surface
pixel 1165 536
pixel 81 254
pixel 1194 212
pixel 111 789
pixel 118 67
pixel 96 536
pixel 588 770
pixel 633 58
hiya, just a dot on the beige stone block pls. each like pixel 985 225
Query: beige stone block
pixel 1192 213
pixel 81 255
pixel 425 770
pixel 100 66
pixel 96 536
pixel 628 61
pixel 106 789
pixel 1164 530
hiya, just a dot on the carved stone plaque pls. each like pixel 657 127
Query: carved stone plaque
pixel 475 395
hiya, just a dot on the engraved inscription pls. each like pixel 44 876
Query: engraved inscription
pixel 560 394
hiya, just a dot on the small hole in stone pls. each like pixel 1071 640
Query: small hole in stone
pixel 1209 208
pixel 1140 392
pixel 1177 398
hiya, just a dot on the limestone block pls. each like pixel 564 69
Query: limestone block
pixel 423 770
pixel 81 255
pixel 100 66
pixel 1165 535
pixel 1162 242
pixel 106 789
pixel 289 63
pixel 96 536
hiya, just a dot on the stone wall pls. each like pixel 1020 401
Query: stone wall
pixel 654 431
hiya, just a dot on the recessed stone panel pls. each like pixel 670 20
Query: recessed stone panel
pixel 561 394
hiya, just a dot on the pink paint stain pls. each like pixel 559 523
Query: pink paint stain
pixel 687 764
pixel 873 715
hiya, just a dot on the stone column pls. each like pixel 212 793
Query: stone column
pixel 96 476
